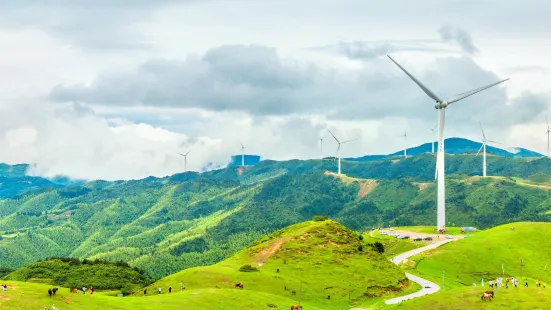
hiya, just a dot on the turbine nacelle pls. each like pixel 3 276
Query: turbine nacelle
pixel 441 105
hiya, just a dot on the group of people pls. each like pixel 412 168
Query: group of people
pixel 90 290
pixel 498 283
pixel 160 290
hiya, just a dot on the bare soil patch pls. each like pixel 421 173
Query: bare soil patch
pixel 266 253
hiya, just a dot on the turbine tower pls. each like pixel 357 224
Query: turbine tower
pixel 242 155
pixel 432 129
pixel 185 160
pixel 338 148
pixel 483 147
pixel 321 147
pixel 405 135
pixel 441 110
pixel 547 132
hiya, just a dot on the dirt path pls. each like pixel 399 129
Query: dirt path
pixel 266 253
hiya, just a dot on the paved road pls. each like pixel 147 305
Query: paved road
pixel 424 291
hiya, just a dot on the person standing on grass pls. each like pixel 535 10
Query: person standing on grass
pixel 181 285
pixel 170 289
pixel 482 282
pixel 145 292
pixel 159 290
pixel 525 282
pixel 83 290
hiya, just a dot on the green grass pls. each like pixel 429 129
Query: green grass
pixel 30 296
pixel 469 260
pixel 394 246
pixel 468 298
pixel 323 256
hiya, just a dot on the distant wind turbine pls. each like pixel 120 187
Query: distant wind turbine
pixel 185 160
pixel 483 147
pixel 321 147
pixel 338 148
pixel 441 106
pixel 547 132
pixel 432 129
pixel 242 155
pixel 405 135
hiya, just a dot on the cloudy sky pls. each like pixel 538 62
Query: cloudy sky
pixel 105 89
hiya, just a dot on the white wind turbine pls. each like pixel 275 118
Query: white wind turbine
pixel 483 147
pixel 441 110
pixel 405 135
pixel 185 159
pixel 338 148
pixel 548 132
pixel 321 147
pixel 432 129
pixel 242 155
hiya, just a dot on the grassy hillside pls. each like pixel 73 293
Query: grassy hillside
pixel 321 258
pixel 76 273
pixel 168 224
pixel 468 298
pixel 482 255
pixel 30 296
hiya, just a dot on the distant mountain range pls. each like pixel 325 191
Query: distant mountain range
pixel 455 146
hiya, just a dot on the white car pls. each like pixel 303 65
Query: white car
pixel 449 237
pixel 427 284
pixel 383 232
pixel 391 229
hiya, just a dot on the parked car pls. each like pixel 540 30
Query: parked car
pixel 427 284
pixel 428 239
pixel 392 229
pixel 383 232
pixel 449 237
pixel 418 239
pixel 403 237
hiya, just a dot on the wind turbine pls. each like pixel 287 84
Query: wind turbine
pixel 405 135
pixel 338 148
pixel 441 111
pixel 185 160
pixel 321 147
pixel 483 147
pixel 432 129
pixel 547 132
pixel 242 155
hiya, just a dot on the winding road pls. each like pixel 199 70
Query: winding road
pixel 424 291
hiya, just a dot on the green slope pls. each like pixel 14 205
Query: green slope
pixel 30 296
pixel 165 225
pixel 320 258
pixel 482 255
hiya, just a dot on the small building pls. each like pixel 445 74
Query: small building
pixel 250 160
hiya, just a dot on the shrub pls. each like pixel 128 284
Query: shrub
pixel 379 247
pixel 248 268
pixel 360 248
pixel 320 218
pixel 361 237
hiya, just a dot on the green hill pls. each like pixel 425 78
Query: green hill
pixel 468 298
pixel 319 259
pixel 523 252
pixel 163 225
pixel 68 272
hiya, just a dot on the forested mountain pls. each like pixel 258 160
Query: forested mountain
pixel 163 225
pixel 456 146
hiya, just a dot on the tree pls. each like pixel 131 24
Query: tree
pixel 379 247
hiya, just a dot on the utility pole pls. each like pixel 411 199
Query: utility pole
pixel 300 294
pixel 348 294
pixel 502 270
pixel 521 265
pixel 442 278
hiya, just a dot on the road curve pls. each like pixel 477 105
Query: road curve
pixel 424 291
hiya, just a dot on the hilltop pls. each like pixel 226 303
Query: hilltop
pixel 487 254
pixel 321 258
pixel 67 272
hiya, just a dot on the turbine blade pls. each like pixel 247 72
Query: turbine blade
pixel 483 135
pixel 333 136
pixel 474 91
pixel 180 154
pixel 188 152
pixel 480 149
pixel 348 141
pixel 423 87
